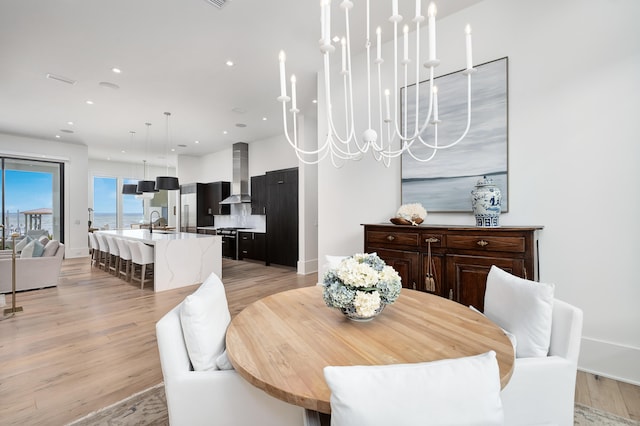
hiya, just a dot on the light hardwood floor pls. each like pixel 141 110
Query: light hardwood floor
pixel 91 342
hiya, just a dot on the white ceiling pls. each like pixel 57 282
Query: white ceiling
pixel 172 54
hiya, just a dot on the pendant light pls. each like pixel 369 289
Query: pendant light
pixel 146 186
pixel 170 183
pixel 130 188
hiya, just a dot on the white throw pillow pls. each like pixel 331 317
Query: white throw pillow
pixel 20 245
pixel 204 316
pixel 462 391
pixel 51 248
pixel 522 307
pixel 27 251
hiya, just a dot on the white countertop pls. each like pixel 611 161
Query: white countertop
pixel 150 238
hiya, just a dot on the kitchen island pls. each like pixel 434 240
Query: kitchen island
pixel 180 259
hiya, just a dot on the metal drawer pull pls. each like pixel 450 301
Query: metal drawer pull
pixel 450 294
pixel 390 238
pixel 432 240
pixel 482 243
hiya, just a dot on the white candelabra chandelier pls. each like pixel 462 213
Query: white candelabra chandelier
pixel 385 140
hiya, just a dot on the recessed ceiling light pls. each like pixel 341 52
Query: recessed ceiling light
pixel 173 150
pixel 116 70
pixel 123 151
pixel 224 132
pixel 229 63
pixel 57 136
pixel 109 85
pixel 197 142
pixel 264 118
pixel 314 101
pixel 70 123
pixel 89 102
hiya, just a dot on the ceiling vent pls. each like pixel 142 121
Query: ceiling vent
pixel 61 78
pixel 217 3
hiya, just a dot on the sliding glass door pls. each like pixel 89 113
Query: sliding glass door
pixel 32 194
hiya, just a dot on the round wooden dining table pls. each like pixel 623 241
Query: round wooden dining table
pixel 282 342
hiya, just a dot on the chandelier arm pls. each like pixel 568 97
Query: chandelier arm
pixel 331 127
pixel 291 143
pixel 466 130
pixel 416 135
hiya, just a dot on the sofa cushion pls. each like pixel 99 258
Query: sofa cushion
pixel 522 307
pixel 44 240
pixel 51 248
pixel 204 316
pixel 462 391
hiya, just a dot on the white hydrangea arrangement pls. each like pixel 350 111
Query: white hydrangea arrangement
pixel 361 285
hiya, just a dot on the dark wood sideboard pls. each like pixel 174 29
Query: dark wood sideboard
pixel 461 256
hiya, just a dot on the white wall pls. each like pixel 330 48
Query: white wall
pixel 573 149
pixel 75 187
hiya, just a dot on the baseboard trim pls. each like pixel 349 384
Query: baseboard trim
pixel 609 359
pixel 307 267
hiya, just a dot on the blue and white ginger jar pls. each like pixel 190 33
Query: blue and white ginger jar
pixel 486 202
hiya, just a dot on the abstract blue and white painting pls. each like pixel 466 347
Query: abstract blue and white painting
pixel 444 184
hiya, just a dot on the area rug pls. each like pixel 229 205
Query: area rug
pixel 149 407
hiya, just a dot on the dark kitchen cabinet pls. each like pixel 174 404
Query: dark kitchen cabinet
pixel 216 192
pixel 252 245
pixel 282 217
pixel 259 195
pixel 457 258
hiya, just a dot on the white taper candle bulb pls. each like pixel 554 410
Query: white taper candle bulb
pixel 432 31
pixel 379 43
pixel 283 85
pixel 467 31
pixel 418 10
pixel 293 92
pixel 405 31
pixel 394 7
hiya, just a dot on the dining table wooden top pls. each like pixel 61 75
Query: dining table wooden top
pixel 282 342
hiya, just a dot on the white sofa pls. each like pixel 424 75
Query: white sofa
pixel 541 390
pixel 220 397
pixel 31 272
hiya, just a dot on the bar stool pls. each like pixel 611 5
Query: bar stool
pixel 141 254
pixel 94 249
pixel 125 257
pixel 104 256
pixel 114 255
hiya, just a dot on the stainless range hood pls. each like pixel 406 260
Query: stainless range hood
pixel 240 182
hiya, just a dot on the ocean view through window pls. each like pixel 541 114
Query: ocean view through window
pixel 111 208
pixel 31 199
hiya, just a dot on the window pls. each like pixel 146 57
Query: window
pixel 105 203
pixel 32 198
pixel 132 208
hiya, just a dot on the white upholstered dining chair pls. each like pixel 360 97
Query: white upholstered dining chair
pixel 206 394
pixel 547 331
pixel 460 391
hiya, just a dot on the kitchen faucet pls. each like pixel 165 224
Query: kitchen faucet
pixel 151 220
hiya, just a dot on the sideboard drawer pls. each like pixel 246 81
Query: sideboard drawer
pixel 514 244
pixel 384 239
pixel 435 239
